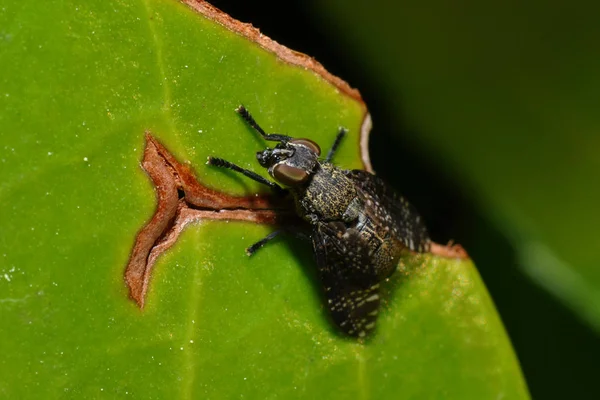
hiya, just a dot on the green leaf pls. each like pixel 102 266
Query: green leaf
pixel 83 84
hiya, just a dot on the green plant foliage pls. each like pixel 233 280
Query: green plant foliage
pixel 80 82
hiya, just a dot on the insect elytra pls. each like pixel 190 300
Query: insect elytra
pixel 359 227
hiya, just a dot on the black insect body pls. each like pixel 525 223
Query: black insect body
pixel 359 227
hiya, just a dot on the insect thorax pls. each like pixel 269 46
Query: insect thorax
pixel 328 196
pixel 332 196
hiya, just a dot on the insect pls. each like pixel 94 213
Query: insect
pixel 358 226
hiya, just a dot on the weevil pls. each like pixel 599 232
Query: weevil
pixel 359 227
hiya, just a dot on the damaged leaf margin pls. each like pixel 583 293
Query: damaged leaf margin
pixel 182 200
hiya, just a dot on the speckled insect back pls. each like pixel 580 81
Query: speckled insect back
pixel 359 227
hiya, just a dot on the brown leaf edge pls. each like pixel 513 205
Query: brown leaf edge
pixel 449 250
pixel 182 199
pixel 293 58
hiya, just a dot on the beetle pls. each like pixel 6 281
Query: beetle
pixel 359 227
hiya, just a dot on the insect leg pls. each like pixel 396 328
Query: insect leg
pixel 219 162
pixel 275 137
pixel 336 143
pixel 296 232
pixel 252 249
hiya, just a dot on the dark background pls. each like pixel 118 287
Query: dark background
pixel 557 351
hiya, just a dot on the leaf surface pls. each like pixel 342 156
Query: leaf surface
pixel 83 84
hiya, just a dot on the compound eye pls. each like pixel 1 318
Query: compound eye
pixel 308 143
pixel 288 175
